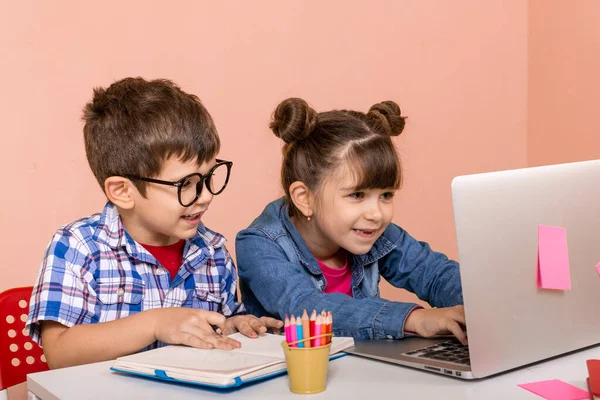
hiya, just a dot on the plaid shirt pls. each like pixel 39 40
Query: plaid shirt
pixel 93 271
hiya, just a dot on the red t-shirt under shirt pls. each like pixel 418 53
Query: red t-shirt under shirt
pixel 170 257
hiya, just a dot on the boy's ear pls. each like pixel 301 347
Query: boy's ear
pixel 302 198
pixel 119 191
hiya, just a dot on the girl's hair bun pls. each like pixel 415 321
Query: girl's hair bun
pixel 386 116
pixel 293 120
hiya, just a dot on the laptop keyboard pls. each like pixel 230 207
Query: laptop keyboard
pixel 451 351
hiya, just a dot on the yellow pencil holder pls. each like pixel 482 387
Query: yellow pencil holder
pixel 307 366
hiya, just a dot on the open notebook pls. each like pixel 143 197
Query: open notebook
pixel 256 359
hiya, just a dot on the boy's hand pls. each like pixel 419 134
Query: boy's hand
pixel 191 327
pixel 438 321
pixel 250 326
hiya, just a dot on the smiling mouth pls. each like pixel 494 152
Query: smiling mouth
pixel 365 232
pixel 191 216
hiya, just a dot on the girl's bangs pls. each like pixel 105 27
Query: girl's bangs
pixel 374 165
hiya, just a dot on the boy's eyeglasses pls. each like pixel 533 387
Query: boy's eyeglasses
pixel 190 186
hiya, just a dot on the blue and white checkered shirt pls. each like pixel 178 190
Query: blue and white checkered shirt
pixel 93 271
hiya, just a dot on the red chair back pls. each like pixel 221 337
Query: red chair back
pixel 19 356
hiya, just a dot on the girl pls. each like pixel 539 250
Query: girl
pixel 328 242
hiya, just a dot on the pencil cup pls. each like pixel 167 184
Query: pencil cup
pixel 307 366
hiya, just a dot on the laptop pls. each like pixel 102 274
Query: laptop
pixel 510 321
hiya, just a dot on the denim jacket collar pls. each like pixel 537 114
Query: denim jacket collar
pixel 381 247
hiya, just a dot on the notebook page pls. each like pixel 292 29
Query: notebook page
pixel 270 345
pixel 253 355
pixel 266 345
pixel 340 343
pixel 191 359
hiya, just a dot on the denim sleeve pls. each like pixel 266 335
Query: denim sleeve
pixel 412 265
pixel 284 286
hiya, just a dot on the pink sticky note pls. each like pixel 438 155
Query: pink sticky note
pixel 555 389
pixel 553 258
pixel 598 269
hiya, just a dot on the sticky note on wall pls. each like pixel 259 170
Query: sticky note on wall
pixel 553 258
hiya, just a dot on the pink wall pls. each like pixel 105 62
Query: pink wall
pixel 458 69
pixel 564 85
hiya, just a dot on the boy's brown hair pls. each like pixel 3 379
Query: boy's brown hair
pixel 134 125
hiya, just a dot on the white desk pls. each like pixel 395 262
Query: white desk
pixel 350 377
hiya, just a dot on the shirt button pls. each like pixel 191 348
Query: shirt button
pixel 120 292
pixel 389 336
pixel 160 271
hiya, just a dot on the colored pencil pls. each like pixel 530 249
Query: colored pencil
pixel 329 323
pixel 300 335
pixel 312 322
pixel 305 328
pixel 286 328
pixel 318 330
pixel 293 330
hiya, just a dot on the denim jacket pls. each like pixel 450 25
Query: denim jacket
pixel 279 276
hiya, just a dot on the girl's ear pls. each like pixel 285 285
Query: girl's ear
pixel 302 198
pixel 119 191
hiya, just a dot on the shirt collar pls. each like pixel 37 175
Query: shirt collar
pixel 111 232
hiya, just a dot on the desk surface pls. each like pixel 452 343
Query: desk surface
pixel 349 377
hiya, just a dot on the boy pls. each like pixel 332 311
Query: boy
pixel 145 272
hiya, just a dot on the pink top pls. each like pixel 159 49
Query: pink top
pixel 339 280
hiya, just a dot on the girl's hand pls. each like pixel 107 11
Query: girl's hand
pixel 438 321
pixel 249 325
